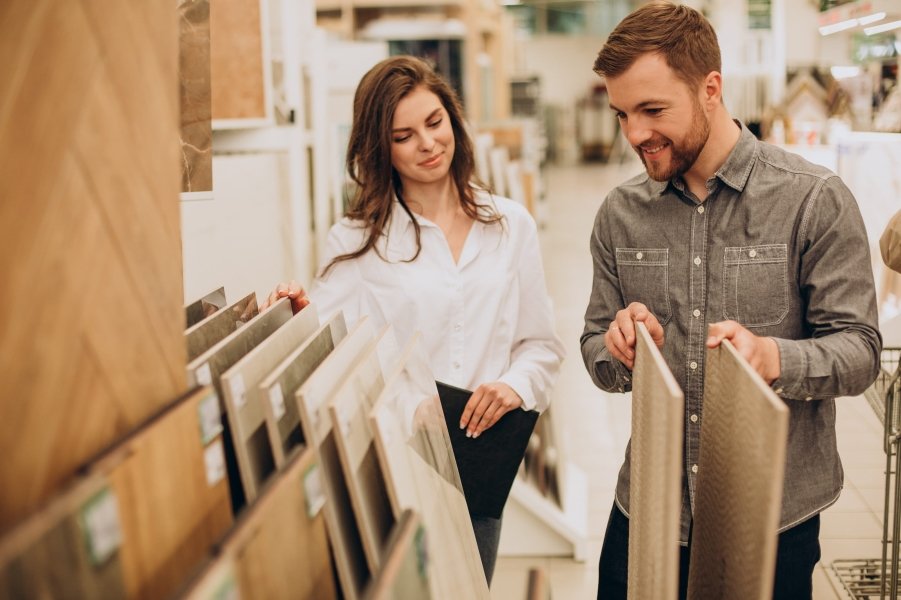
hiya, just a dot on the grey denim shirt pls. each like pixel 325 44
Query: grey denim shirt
pixel 779 246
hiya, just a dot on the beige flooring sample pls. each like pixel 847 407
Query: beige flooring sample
pixel 236 55
pixel 204 307
pixel 744 431
pixel 244 405
pixel 349 410
pixel 655 495
pixel 417 460
pixel 312 400
pixel 404 572
pixel 278 388
pixel 208 332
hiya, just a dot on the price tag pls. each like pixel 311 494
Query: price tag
pixel 313 492
pixel 214 459
pixel 209 417
pixel 203 374
pixel 239 396
pixel 100 524
pixel 277 400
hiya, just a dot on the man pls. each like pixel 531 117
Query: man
pixel 725 237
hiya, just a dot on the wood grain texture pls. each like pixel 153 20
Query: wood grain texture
pixel 404 573
pixel 47 555
pixel 170 514
pixel 349 411
pixel 195 95
pixel 312 402
pixel 202 336
pixel 89 181
pixel 236 60
pixel 655 494
pixel 740 469
pixel 244 405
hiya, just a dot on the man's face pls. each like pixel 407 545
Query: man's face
pixel 662 118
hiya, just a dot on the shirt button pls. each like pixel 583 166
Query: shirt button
pixel 693 365
pixel 639 255
pixel 808 398
pixel 698 261
pixel 696 312
pixel 752 253
pixel 701 209
pixel 458 327
pixel 778 390
pixel 694 468
pixel 456 365
pixel 694 418
pixel 625 378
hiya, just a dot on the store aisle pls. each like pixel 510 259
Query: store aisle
pixel 593 427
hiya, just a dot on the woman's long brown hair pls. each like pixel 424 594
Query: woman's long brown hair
pixel 369 150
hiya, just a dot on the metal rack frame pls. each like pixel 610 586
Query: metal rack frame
pixel 864 579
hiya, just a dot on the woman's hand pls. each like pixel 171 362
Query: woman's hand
pixel 290 290
pixel 488 403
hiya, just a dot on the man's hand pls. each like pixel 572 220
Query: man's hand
pixel 762 353
pixel 488 403
pixel 290 290
pixel 620 337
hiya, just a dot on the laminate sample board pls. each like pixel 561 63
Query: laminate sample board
pixel 89 214
pixel 205 334
pixel 244 405
pixel 238 68
pixel 204 307
pixel 349 410
pixel 414 449
pixel 169 479
pixel 282 416
pixel 278 548
pixel 194 79
pixel 655 496
pixel 744 431
pixel 312 401
pixel 404 573
pixel 68 549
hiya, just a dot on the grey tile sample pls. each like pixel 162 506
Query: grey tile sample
pixel 655 493
pixel 744 430
pixel 206 334
pixel 200 309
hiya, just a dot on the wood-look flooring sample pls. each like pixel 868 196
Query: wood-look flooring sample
pixel 655 495
pixel 744 431
pixel 278 388
pixel 238 72
pixel 349 410
pixel 312 401
pixel 68 549
pixel 404 572
pixel 417 460
pixel 244 405
pixel 208 332
pixel 169 480
pixel 204 307
pixel 194 80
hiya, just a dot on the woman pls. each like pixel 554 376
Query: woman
pixel 422 248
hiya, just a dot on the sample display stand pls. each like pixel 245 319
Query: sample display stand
pixel 880 578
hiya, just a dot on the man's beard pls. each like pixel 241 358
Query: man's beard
pixel 683 155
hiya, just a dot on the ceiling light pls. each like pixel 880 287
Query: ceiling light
pixel 883 27
pixel 836 27
pixel 871 18
pixel 845 72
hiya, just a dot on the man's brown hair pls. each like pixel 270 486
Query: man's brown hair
pixel 682 35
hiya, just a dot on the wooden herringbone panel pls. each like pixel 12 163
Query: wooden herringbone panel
pixel 91 329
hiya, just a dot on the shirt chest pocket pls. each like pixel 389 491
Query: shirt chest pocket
pixel 755 291
pixel 644 277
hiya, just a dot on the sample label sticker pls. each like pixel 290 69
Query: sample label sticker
pixel 312 487
pixel 239 396
pixel 203 374
pixel 210 418
pixel 99 520
pixel 277 400
pixel 214 459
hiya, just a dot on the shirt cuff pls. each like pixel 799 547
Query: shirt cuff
pixel 522 386
pixel 792 367
pixel 622 375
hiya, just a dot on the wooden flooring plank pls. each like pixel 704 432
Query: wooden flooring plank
pixel 204 335
pixel 404 572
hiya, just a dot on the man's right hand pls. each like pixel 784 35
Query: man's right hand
pixel 620 337
pixel 290 290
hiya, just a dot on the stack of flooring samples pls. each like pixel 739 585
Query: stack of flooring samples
pixel 655 498
pixel 740 469
pixel 404 573
pixel 204 334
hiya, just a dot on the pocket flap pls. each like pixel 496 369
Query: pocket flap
pixel 767 253
pixel 642 256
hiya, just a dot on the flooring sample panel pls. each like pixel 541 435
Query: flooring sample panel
pixel 414 449
pixel 404 572
pixel 744 431
pixel 89 185
pixel 200 309
pixel 312 401
pixel 194 79
pixel 282 416
pixel 169 479
pixel 655 497
pixel 349 410
pixel 278 549
pixel 68 549
pixel 244 405
pixel 237 60
pixel 202 336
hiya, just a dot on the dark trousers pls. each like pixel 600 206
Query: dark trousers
pixel 797 553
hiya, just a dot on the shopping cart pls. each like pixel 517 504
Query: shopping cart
pixel 866 579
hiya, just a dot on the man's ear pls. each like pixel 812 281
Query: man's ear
pixel 712 89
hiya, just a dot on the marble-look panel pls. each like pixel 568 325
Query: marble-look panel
pixel 196 95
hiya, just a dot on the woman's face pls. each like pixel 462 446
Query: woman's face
pixel 422 139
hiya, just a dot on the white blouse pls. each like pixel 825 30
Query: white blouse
pixel 486 318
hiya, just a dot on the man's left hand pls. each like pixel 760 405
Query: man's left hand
pixel 762 353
